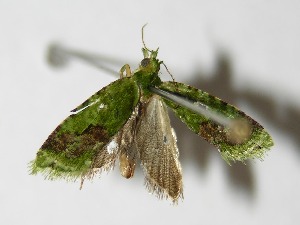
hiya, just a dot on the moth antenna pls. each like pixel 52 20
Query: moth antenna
pixel 143 38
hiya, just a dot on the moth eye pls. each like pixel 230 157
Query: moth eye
pixel 145 62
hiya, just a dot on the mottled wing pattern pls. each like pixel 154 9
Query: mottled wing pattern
pixel 157 148
pixel 85 140
pixel 257 143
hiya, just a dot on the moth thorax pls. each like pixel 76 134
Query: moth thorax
pixel 127 166
pixel 239 131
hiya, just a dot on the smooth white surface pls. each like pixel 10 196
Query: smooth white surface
pixel 261 40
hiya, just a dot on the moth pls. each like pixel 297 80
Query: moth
pixel 128 120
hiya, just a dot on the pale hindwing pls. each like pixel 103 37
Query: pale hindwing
pixel 158 152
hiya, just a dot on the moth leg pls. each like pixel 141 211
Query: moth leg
pixel 125 68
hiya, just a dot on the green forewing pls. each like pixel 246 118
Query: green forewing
pixel 70 149
pixel 255 146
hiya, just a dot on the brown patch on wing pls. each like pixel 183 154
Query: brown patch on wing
pixel 212 132
pixel 75 144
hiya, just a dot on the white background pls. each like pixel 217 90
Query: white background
pixel 246 52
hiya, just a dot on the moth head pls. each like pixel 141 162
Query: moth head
pixel 150 63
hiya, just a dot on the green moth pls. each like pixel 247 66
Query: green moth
pixel 128 120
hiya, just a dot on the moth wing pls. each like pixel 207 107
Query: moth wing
pixel 127 153
pixel 157 149
pixel 87 139
pixel 258 141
